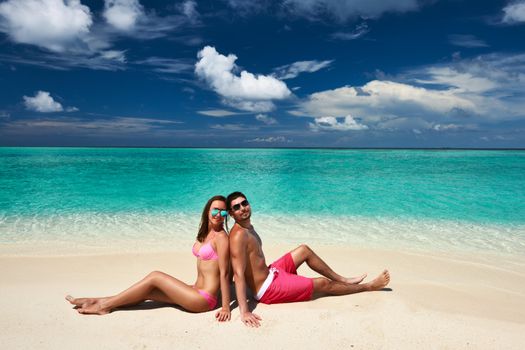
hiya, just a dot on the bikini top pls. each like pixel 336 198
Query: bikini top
pixel 205 252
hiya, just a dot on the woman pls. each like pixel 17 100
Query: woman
pixel 212 252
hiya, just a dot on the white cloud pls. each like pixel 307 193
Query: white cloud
pixel 314 10
pixel 245 91
pixel 393 123
pixel 331 123
pixel 94 126
pixel 189 9
pixel 269 139
pixel 494 83
pixel 67 30
pixel 266 119
pixel 167 65
pixel 445 127
pixel 514 12
pixel 250 106
pixel 68 61
pixel 462 81
pixel 383 96
pixel 123 14
pixel 217 113
pixel 468 41
pixel 291 71
pixel 459 95
pixel 348 9
pixel 51 24
pixel 359 31
pixel 42 102
pixel 233 127
pixel 247 6
pixel 114 55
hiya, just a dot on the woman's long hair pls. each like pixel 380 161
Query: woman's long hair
pixel 203 228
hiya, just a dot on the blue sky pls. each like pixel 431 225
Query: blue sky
pixel 237 73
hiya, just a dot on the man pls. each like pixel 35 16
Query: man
pixel 279 282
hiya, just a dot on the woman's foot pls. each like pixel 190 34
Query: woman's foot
pixel 81 301
pixel 354 280
pixel 380 281
pixel 96 308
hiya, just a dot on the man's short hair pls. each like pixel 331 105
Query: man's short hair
pixel 231 197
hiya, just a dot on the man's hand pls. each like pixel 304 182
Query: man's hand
pixel 251 320
pixel 223 315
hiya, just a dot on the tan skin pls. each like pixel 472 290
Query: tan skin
pixel 250 268
pixel 158 286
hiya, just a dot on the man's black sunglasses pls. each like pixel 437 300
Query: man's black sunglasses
pixel 237 206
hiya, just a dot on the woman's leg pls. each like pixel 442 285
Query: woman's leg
pixel 303 253
pixel 156 286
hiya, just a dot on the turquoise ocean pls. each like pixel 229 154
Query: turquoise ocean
pixel 132 199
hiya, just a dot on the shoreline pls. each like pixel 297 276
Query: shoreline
pixel 435 301
pixel 91 235
pixel 77 249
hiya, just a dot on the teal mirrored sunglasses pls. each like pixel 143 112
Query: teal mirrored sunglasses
pixel 216 211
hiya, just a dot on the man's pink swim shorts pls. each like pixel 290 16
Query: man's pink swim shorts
pixel 286 286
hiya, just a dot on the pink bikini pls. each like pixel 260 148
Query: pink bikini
pixel 206 252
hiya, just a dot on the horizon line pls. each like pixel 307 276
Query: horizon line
pixel 306 147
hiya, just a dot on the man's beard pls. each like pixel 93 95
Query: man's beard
pixel 246 216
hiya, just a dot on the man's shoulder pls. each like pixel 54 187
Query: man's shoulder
pixel 238 233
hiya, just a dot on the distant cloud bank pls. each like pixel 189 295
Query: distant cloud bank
pixel 445 97
pixel 331 123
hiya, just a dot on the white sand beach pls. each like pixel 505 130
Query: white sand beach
pixel 435 302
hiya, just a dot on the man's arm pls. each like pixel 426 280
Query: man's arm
pixel 238 248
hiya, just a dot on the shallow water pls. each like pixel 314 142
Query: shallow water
pixel 432 199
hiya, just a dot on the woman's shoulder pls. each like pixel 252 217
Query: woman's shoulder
pixel 221 236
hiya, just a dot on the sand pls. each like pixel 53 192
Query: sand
pixel 435 302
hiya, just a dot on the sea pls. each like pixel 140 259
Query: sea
pixel 77 200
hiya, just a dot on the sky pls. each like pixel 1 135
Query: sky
pixel 270 73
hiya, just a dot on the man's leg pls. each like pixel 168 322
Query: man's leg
pixel 330 287
pixel 303 253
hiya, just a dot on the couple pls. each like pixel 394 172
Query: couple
pixel 277 283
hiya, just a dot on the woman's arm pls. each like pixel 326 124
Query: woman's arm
pixel 223 251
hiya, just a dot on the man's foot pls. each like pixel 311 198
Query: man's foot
pixel 354 280
pixel 380 281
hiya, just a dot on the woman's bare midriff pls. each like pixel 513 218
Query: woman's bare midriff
pixel 207 276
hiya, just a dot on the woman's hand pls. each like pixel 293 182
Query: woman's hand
pixel 223 315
